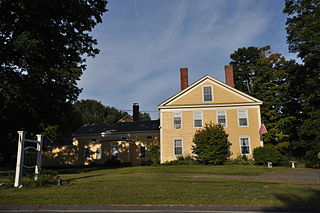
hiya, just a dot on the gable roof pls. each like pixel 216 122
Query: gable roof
pixel 207 77
pixel 133 126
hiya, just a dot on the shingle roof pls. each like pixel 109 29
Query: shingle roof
pixel 118 127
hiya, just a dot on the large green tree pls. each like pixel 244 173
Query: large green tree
pixel 268 77
pixel 43 46
pixel 92 111
pixel 303 28
pixel 271 86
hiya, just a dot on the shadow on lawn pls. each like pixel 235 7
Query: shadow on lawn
pixel 296 203
pixel 82 177
pixel 78 170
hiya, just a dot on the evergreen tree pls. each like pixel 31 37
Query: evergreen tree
pixel 303 28
pixel 211 145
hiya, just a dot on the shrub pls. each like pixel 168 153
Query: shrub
pixel 45 178
pixel 211 145
pixel 188 160
pixel 312 159
pixel 240 160
pixel 268 153
pixel 112 162
pixel 154 151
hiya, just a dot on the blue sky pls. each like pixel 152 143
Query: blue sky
pixel 143 43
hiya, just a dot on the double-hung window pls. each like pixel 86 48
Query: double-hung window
pixel 177 146
pixel 197 119
pixel 207 93
pixel 142 152
pixel 244 145
pixel 243 117
pixel 177 120
pixel 221 118
pixel 115 151
pixel 99 153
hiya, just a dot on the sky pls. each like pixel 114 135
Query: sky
pixel 144 43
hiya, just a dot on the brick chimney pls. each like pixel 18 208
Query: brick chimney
pixel 184 78
pixel 135 114
pixel 229 75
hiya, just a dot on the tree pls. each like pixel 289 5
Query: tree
pixel 43 47
pixel 211 145
pixel 92 111
pixel 271 86
pixel 303 29
pixel 244 61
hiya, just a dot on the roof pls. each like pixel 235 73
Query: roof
pixel 134 126
pixel 232 89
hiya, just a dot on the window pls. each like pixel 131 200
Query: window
pixel 177 120
pixel 142 152
pixel 87 153
pixel 99 153
pixel 243 117
pixel 221 118
pixel 207 93
pixel 149 137
pixel 244 145
pixel 178 146
pixel 115 151
pixel 123 138
pixel 197 119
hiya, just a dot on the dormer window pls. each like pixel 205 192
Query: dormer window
pixel 207 93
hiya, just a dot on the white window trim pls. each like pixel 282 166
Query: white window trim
pixel 145 152
pixel 225 113
pixel 211 93
pixel 100 147
pixel 239 117
pixel 182 154
pixel 111 153
pixel 174 117
pixel 201 119
pixel 245 136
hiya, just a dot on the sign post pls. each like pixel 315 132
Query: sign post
pixel 20 157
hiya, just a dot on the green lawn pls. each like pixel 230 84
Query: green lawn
pixel 155 185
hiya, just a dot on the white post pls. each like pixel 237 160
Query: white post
pixel 39 156
pixel 20 159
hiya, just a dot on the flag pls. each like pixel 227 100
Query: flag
pixel 263 129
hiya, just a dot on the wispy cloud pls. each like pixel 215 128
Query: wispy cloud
pixel 143 44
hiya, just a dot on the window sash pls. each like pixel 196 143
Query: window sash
pixel 115 151
pixel 142 152
pixel 222 118
pixel 245 147
pixel 177 120
pixel 243 117
pixel 178 147
pixel 197 119
pixel 99 153
pixel 207 93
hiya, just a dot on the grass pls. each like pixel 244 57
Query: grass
pixel 155 185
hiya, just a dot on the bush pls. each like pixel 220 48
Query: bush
pixel 240 160
pixel 211 145
pixel 154 151
pixel 268 153
pixel 312 159
pixel 188 160
pixel 45 178
pixel 112 162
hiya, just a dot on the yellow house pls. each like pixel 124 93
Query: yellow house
pixel 126 141
pixel 208 100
